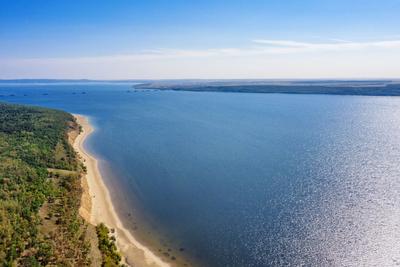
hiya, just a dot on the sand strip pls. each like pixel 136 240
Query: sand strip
pixel 97 206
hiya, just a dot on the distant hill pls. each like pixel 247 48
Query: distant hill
pixel 333 87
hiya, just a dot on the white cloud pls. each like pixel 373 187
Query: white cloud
pixel 336 45
pixel 264 58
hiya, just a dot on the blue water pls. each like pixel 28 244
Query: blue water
pixel 247 179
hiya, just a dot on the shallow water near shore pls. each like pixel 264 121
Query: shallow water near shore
pixel 228 179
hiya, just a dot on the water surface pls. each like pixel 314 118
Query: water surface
pixel 247 179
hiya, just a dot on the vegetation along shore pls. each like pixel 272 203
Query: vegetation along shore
pixel 41 192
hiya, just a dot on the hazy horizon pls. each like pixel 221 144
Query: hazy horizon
pixel 203 79
pixel 199 40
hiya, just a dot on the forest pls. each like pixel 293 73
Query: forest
pixel 40 192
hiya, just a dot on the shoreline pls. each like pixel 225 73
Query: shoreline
pixel 97 206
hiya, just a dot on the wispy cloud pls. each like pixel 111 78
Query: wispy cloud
pixel 261 58
pixel 269 47
pixel 288 46
pixel 257 47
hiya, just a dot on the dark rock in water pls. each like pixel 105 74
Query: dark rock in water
pixel 173 258
pixel 181 249
pixel 166 254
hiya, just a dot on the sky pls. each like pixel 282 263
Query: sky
pixel 207 39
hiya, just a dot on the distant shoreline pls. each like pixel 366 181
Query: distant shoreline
pixel 352 88
pixel 97 206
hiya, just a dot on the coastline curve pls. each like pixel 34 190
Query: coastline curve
pixel 97 205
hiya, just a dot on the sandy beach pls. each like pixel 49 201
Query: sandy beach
pixel 97 206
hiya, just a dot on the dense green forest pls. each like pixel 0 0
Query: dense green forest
pixel 40 191
pixel 39 221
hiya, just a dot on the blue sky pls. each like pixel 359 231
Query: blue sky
pixel 119 39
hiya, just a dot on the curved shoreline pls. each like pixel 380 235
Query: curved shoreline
pixel 97 206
